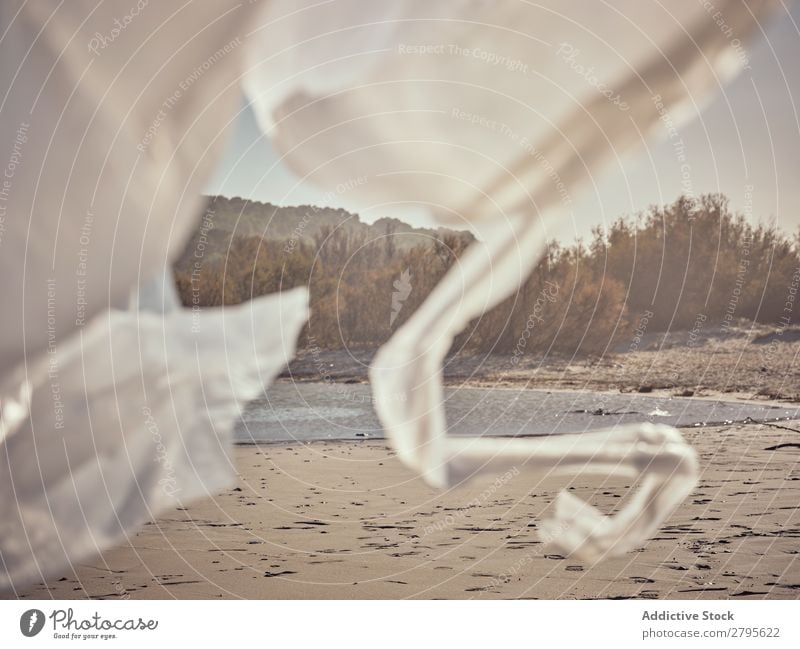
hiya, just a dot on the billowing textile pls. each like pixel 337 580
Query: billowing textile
pixel 488 114
pixel 115 406
pixel 493 114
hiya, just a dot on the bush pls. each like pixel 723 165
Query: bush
pixel 677 261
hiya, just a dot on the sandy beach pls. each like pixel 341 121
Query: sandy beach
pixel 347 520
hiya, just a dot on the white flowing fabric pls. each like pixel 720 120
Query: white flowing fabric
pixel 492 114
pixel 111 416
pixel 114 116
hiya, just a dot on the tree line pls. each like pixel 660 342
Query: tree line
pixel 667 269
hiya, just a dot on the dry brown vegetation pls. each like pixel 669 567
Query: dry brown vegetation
pixel 684 266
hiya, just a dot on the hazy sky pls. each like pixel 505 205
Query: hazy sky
pixel 747 138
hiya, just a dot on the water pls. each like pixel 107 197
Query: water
pixel 319 411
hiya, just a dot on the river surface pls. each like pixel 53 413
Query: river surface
pixel 320 411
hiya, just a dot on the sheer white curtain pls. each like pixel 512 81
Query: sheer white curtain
pixel 484 113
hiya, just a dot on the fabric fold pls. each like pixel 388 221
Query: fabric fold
pixel 485 114
pixel 132 416
pixel 116 114
pixel 493 115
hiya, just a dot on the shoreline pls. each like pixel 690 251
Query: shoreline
pixel 736 367
pixel 532 385
pixel 306 442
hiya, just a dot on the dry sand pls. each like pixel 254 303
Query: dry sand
pixel 347 520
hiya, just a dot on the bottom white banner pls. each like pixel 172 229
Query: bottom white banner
pixel 389 624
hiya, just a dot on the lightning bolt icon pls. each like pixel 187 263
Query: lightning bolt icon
pixel 32 620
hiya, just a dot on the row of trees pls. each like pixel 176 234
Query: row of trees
pixel 671 264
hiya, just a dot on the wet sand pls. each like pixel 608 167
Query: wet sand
pixel 347 520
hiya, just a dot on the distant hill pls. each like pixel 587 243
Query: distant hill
pixel 304 223
pixel 242 249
